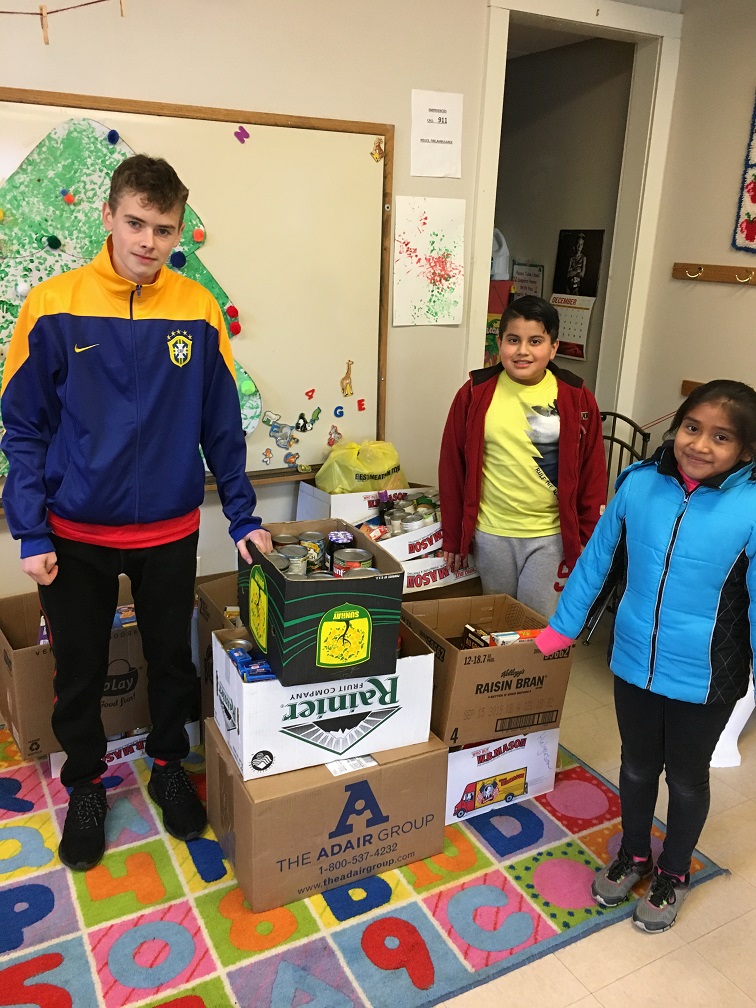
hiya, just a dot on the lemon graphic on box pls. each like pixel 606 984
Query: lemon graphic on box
pixel 344 636
pixel 258 607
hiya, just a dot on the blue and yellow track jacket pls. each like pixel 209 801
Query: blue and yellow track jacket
pixel 685 566
pixel 109 390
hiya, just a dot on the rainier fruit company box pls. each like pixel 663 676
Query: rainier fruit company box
pixel 270 728
pixel 296 834
pixel 489 692
pixel 317 630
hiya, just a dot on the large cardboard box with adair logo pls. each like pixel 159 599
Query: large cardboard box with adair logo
pixel 297 834
pixel 271 728
pixel 319 630
pixel 487 693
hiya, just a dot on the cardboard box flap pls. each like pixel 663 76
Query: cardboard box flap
pixel 491 612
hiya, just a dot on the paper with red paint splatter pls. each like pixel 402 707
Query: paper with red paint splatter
pixel 428 261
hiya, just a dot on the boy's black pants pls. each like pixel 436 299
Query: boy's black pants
pixel 79 606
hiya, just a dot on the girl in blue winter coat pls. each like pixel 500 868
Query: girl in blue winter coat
pixel 679 541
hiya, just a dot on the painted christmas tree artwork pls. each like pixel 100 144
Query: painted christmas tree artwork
pixel 51 222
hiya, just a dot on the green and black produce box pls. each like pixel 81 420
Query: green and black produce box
pixel 314 630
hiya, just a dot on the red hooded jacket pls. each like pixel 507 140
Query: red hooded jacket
pixel 581 476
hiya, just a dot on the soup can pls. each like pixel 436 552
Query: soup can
pixel 297 557
pixel 338 540
pixel 395 520
pixel 412 522
pixel 360 572
pixel 322 576
pixel 239 642
pixel 295 577
pixel 314 543
pixel 279 561
pixel 285 539
pixel 345 559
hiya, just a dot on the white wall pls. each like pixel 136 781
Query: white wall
pixel 343 59
pixel 695 330
pixel 558 168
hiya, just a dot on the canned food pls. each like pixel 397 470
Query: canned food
pixel 297 557
pixel 395 520
pixel 341 539
pixel 295 577
pixel 314 543
pixel 285 539
pixel 358 572
pixel 279 561
pixel 239 642
pixel 321 576
pixel 412 522
pixel 345 559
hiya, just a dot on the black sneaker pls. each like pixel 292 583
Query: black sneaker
pixel 83 842
pixel 184 815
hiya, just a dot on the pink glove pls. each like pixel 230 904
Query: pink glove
pixel 549 640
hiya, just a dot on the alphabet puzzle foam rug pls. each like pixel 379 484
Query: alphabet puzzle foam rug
pixel 161 923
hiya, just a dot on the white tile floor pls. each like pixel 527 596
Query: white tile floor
pixel 709 957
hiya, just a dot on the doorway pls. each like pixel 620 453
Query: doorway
pixel 652 37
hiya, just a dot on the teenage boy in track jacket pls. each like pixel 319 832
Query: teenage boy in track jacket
pixel 117 374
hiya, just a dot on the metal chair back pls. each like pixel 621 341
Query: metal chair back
pixel 625 442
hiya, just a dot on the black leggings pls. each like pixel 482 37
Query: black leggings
pixel 79 606
pixel 659 733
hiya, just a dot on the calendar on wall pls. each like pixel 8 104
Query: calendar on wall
pixel 574 319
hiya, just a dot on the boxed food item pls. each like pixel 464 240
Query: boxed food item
pixel 500 772
pixel 312 630
pixel 314 504
pixel 296 834
pixel 488 692
pixel 270 728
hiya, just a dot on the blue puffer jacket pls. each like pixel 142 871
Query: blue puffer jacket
pixel 684 563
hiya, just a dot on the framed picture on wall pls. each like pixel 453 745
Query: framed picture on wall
pixel 578 261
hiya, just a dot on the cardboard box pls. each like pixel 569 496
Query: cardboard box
pixel 212 599
pixel 411 545
pixel 314 504
pixel 297 834
pixel 27 669
pixel 487 693
pixel 432 572
pixel 500 772
pixel 319 630
pixel 270 728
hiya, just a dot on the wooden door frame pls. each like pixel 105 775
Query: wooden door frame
pixel 656 35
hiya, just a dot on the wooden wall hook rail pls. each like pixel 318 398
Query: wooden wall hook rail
pixel 709 273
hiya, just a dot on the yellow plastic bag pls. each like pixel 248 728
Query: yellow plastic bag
pixel 352 467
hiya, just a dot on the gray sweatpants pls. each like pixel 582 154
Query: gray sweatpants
pixel 530 570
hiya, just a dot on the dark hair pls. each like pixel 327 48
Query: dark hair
pixel 152 178
pixel 737 399
pixel 533 309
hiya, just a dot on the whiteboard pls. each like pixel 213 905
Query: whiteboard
pixel 295 215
